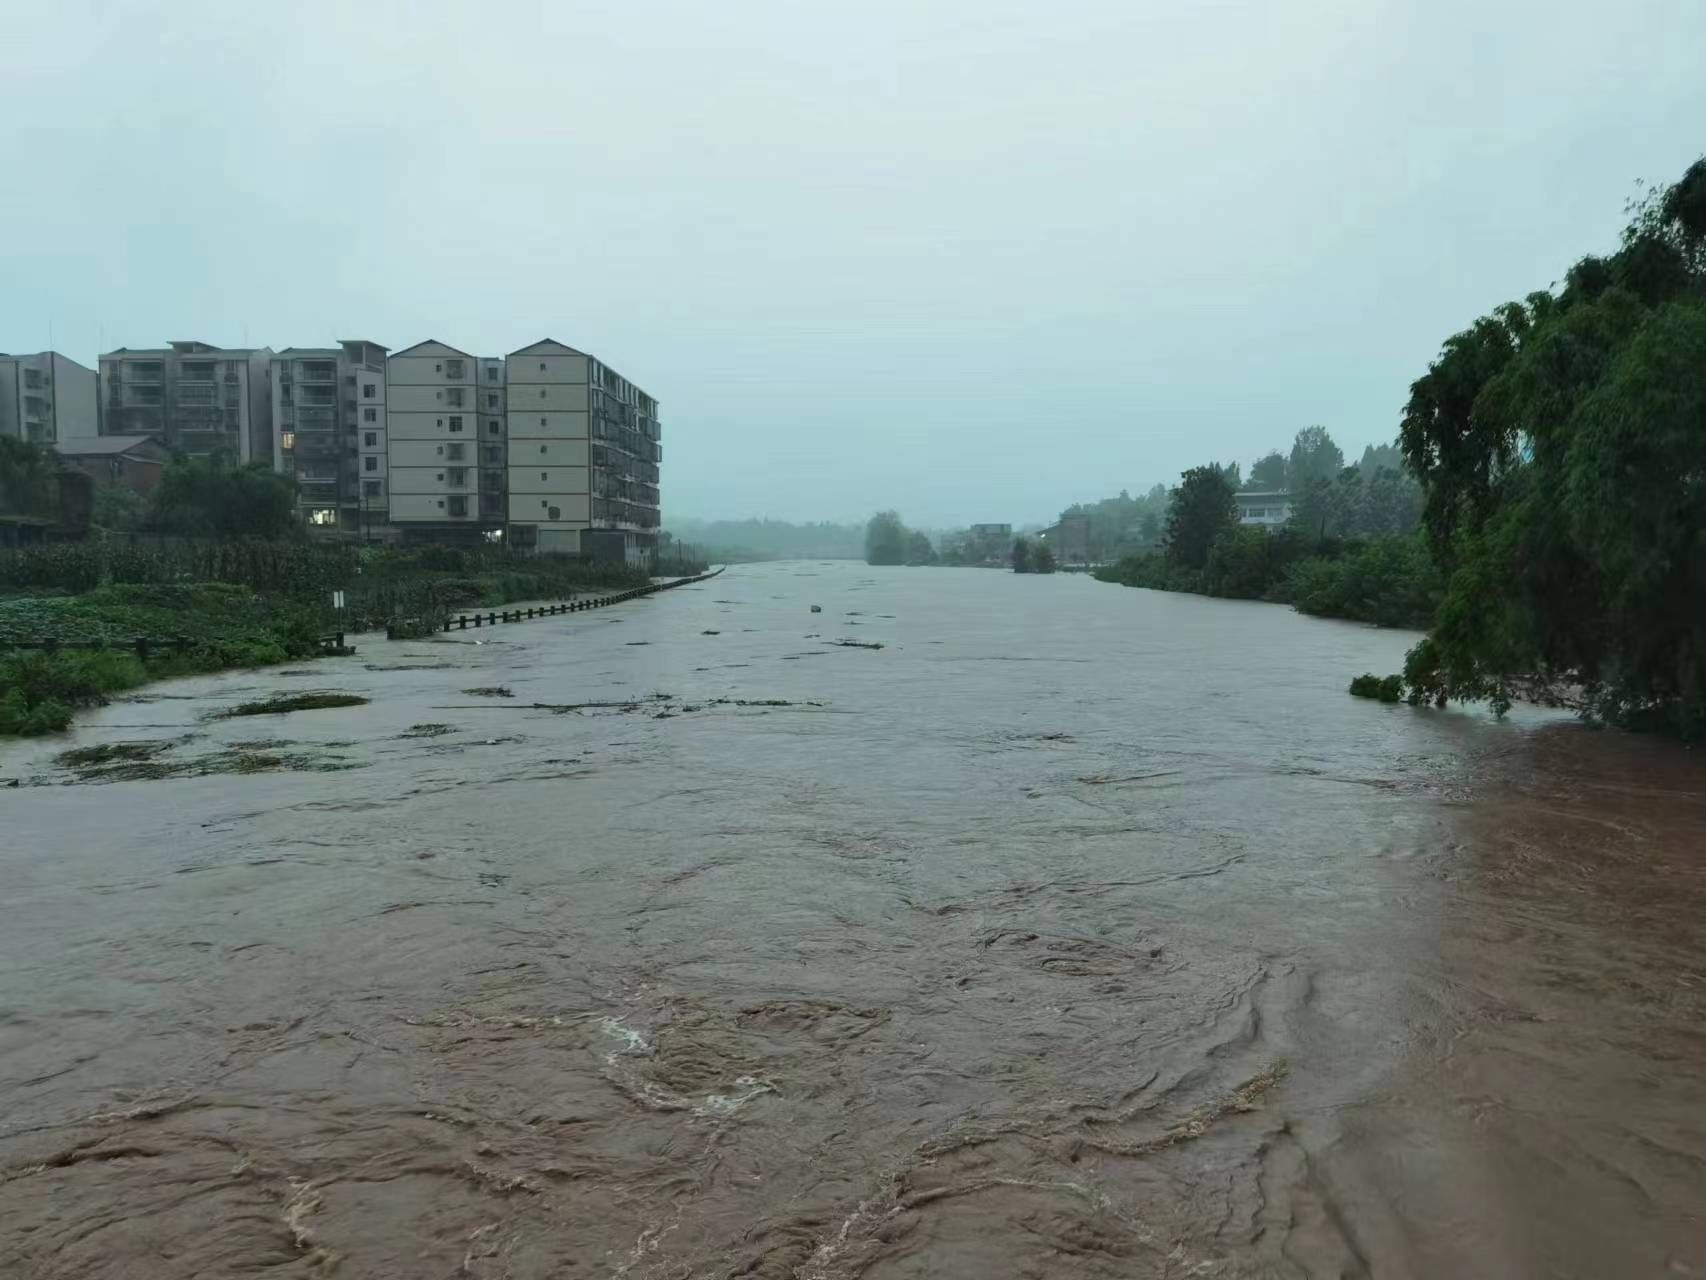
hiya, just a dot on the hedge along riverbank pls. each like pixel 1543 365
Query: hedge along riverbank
pixel 1387 581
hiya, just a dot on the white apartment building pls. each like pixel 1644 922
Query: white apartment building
pixel 195 397
pixel 583 456
pixel 46 398
pixel 328 410
pixel 434 429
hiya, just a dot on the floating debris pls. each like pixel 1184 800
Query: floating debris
pixel 111 753
pixel 281 703
pixel 710 633
pixel 430 730
pixel 856 644
pixel 490 691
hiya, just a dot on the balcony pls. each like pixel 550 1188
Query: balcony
pixel 317 371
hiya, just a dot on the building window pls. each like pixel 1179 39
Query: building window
pixel 491 399
pixel 494 454
pixel 370 489
pixel 543 503
pixel 459 506
pixel 492 427
pixel 369 390
pixel 287 439
pixel 456 424
pixel 323 515
pixel 370 439
pixel 453 369
pixel 542 448
pixel 453 397
pixel 544 476
pixel 541 422
pixel 453 452
pixel 370 463
pixel 554 513
pixel 541 393
pixel 457 476
pixel 370 415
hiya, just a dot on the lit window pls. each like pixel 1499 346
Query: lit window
pixel 287 439
pixel 323 515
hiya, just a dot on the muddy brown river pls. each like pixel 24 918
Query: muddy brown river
pixel 1075 932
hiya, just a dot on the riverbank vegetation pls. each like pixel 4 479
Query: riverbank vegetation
pixel 889 541
pixel 1560 442
pixel 1349 549
pixel 207 606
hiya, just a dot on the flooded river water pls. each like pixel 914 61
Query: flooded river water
pixel 1076 932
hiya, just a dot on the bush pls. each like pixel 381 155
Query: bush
pixel 39 691
pixel 1382 688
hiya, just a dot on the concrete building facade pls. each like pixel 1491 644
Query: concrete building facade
pixel 1268 509
pixel 433 403
pixel 46 397
pixel 328 410
pixel 197 398
pixel 584 449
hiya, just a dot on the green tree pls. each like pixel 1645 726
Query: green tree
pixel 1314 457
pixel 885 539
pixel 120 508
pixel 1268 474
pixel 1043 560
pixel 919 549
pixel 1559 447
pixel 1021 556
pixel 207 497
pixel 1198 512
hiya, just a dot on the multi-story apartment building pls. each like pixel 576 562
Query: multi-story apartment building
pixel 328 410
pixel 46 398
pixel 584 449
pixel 437 417
pixel 196 397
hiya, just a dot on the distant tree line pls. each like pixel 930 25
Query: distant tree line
pixel 1349 548
pixel 889 541
pixel 736 540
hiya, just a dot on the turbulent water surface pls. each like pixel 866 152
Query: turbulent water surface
pixel 1077 931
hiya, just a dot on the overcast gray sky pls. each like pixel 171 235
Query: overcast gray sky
pixel 972 259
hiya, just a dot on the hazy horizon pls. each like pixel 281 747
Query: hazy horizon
pixel 974 263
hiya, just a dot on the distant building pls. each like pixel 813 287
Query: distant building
pixel 1271 508
pixel 433 433
pixel 128 462
pixel 584 448
pixel 1069 540
pixel 328 413
pixel 197 398
pixel 46 397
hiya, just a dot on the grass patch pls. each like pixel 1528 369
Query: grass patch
pixel 427 731
pixel 281 703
